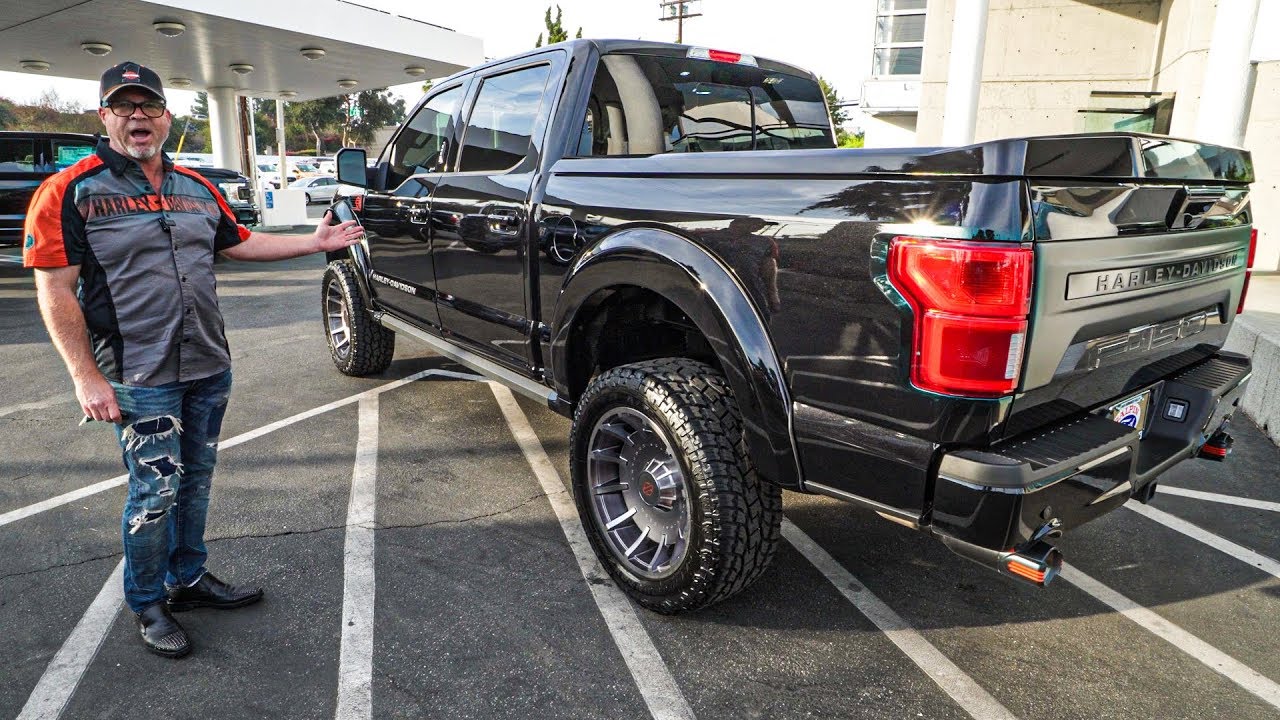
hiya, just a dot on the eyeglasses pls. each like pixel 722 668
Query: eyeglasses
pixel 125 108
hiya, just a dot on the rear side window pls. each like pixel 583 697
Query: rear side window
pixel 18 155
pixel 418 148
pixel 646 104
pixel 68 152
pixel 501 123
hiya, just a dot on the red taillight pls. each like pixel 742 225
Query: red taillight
pixel 357 203
pixel 1248 272
pixel 971 303
pixel 724 56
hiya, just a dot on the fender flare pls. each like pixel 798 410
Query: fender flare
pixel 703 289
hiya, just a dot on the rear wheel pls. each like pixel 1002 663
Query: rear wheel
pixel 358 345
pixel 665 490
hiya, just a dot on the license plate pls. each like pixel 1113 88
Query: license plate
pixel 1131 412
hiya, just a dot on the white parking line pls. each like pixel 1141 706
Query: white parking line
pixel 953 681
pixel 355 659
pixel 117 481
pixel 1217 542
pixel 1215 659
pixel 648 669
pixel 63 674
pixel 1213 497
pixel 38 404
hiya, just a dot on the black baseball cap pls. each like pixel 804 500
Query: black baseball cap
pixel 129 74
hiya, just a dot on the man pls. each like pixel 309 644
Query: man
pixel 143 338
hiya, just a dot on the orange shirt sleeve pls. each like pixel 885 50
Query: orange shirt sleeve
pixel 53 234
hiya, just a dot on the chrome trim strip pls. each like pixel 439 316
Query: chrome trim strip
pixel 1098 461
pixel 525 386
pixel 884 510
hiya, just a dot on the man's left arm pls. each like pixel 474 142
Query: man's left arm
pixel 267 246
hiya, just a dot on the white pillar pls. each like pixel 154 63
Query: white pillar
pixel 964 71
pixel 1224 95
pixel 284 175
pixel 222 127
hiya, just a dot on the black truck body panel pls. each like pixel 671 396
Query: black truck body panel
pixel 819 354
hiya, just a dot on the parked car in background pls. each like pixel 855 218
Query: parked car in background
pixel 319 188
pixel 269 176
pixel 26 159
pixel 236 189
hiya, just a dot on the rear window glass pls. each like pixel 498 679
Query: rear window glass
pixel 645 104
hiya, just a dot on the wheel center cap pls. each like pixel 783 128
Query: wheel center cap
pixel 659 485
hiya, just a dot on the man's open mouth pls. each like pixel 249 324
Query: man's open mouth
pixel 140 135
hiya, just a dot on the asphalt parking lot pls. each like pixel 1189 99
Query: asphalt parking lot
pixel 406 529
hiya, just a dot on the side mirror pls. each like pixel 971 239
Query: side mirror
pixel 351 162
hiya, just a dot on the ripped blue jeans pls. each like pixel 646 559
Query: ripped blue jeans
pixel 169 435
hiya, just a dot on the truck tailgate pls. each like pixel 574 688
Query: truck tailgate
pixel 1135 276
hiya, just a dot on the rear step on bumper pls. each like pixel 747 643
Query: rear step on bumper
pixel 998 505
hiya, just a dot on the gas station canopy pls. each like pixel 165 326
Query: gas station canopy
pixel 255 47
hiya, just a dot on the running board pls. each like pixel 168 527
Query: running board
pixel 525 386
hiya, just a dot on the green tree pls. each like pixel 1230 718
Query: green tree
pixel 201 105
pixel 838 114
pixel 555 29
pixel 376 109
pixel 7 118
pixel 317 118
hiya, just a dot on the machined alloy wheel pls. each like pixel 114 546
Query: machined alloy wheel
pixel 665 487
pixel 638 493
pixel 336 318
pixel 357 344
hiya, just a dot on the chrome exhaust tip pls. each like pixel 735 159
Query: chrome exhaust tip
pixel 1038 563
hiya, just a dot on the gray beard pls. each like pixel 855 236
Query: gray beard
pixel 147 153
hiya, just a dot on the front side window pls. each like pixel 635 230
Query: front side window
pixel 501 124
pixel 18 155
pixel 418 148
pixel 646 104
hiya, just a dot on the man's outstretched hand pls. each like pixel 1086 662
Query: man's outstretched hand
pixel 335 237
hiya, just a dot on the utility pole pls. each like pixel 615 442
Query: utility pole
pixel 678 10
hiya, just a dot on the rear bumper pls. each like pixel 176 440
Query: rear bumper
pixel 1053 479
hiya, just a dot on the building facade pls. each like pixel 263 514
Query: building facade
pixel 1055 66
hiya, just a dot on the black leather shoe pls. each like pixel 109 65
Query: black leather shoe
pixel 161 633
pixel 210 592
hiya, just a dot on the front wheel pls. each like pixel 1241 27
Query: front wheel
pixel 308 197
pixel 665 490
pixel 358 345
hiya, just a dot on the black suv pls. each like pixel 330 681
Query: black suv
pixel 26 159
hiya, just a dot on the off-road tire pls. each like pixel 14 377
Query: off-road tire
pixel 368 346
pixel 735 517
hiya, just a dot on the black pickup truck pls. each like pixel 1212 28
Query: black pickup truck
pixel 991 344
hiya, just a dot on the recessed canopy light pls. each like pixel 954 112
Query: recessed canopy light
pixel 312 53
pixel 347 83
pixel 179 82
pixel 168 28
pixel 415 71
pixel 241 68
pixel 96 48
pixel 34 65
pixel 286 94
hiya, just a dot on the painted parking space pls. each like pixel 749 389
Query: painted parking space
pixel 479 608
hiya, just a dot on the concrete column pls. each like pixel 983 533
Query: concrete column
pixel 284 176
pixel 223 127
pixel 964 71
pixel 1224 96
